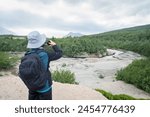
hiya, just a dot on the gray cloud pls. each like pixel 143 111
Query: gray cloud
pixel 142 8
pixel 24 19
pixel 86 26
pixel 39 1
pixel 121 7
pixel 112 13
pixel 74 2
pixel 19 18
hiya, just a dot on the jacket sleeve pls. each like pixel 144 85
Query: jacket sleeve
pixel 56 54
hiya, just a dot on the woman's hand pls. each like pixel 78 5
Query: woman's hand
pixel 51 43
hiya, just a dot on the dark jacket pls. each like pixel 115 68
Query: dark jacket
pixel 51 57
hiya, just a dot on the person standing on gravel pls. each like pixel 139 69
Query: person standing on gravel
pixel 34 67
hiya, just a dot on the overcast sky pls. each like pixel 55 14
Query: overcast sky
pixel 59 17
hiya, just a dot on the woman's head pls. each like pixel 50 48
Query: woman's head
pixel 35 39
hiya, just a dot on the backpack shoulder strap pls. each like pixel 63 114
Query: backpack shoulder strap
pixel 31 52
pixel 27 53
pixel 43 56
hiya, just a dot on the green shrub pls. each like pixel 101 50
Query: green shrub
pixel 137 73
pixel 106 94
pixel 71 46
pixel 74 46
pixel 64 76
pixel 6 60
pixel 8 43
pixel 1 74
pixel 115 97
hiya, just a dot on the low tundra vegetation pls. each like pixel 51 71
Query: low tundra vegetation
pixel 110 96
pixel 137 73
pixel 64 76
pixel 7 61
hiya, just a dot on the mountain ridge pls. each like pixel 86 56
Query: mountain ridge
pixel 74 34
pixel 4 31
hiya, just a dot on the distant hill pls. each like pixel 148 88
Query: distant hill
pixel 134 29
pixel 4 31
pixel 136 39
pixel 72 34
pixel 125 34
pixel 142 27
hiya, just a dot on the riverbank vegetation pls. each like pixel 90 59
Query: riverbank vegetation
pixel 137 73
pixel 110 96
pixel 64 76
pixel 7 61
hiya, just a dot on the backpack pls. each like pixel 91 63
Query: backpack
pixel 32 72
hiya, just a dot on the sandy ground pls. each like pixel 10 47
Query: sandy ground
pixel 90 73
pixel 12 88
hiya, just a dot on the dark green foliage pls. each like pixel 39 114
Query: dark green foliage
pixel 6 60
pixel 116 97
pixel 135 39
pixel 71 47
pixel 64 76
pixel 137 73
pixel 12 43
pixel 74 46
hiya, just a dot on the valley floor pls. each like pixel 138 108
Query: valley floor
pixel 100 72
pixel 90 73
